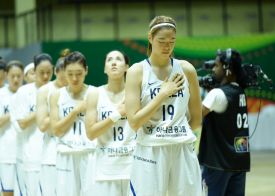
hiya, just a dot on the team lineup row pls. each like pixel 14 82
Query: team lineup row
pixel 131 136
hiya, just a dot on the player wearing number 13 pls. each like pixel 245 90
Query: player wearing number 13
pixel 106 121
pixel 159 92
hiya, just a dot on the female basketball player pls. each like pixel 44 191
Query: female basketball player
pixel 160 91
pixel 48 169
pixel 7 132
pixel 29 73
pixel 67 114
pixel 29 137
pixel 106 121
pixel 2 73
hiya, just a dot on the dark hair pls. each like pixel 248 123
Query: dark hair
pixel 14 63
pixel 155 21
pixel 126 58
pixel 37 59
pixel 3 65
pixel 60 61
pixel 232 60
pixel 75 57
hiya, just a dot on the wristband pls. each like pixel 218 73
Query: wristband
pixel 115 116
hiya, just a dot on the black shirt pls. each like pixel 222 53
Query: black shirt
pixel 224 141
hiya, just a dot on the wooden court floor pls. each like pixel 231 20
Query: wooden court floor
pixel 261 179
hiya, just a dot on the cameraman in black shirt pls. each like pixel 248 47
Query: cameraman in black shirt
pixel 224 146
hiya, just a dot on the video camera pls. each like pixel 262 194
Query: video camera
pixel 207 82
pixel 252 76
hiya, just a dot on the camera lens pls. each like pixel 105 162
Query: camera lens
pixel 209 64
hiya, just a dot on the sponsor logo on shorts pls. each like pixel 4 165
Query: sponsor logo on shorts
pixel 144 159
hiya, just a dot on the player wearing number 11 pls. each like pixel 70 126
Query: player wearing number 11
pixel 160 91
pixel 74 160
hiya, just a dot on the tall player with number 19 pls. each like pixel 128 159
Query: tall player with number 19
pixel 160 92
pixel 74 149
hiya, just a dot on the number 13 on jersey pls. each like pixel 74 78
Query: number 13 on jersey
pixel 118 133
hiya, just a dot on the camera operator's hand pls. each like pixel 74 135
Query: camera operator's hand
pixel 208 82
pixel 170 87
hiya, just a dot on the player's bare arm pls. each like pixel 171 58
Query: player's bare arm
pixel 42 119
pixel 61 126
pixel 27 121
pixel 194 105
pixel 93 127
pixel 138 116
pixel 4 119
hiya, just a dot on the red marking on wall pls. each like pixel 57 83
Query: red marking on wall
pixel 255 104
pixel 135 46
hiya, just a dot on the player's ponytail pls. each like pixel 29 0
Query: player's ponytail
pixel 60 61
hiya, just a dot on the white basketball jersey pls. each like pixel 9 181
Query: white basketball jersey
pixel 115 146
pixel 169 124
pixel 29 140
pixel 75 139
pixel 49 145
pixel 7 131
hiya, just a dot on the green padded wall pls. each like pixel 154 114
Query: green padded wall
pixel 255 49
pixel 95 52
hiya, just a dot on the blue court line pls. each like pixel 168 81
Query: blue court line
pixel 17 179
pixel 3 190
pixel 132 189
pixel 40 189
